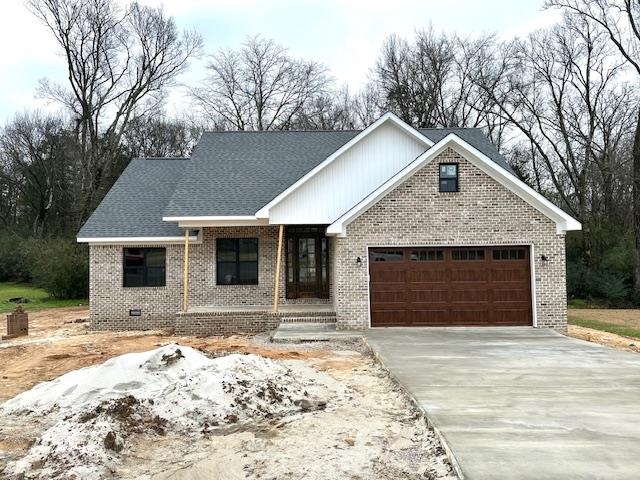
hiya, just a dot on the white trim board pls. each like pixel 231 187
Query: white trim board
pixel 139 240
pixel 387 117
pixel 564 222
pixel 209 218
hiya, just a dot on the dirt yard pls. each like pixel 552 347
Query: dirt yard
pixel 372 431
pixel 604 338
pixel 624 321
pixel 625 318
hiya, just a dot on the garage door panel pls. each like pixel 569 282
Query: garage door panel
pixel 514 274
pixel 511 295
pixel 450 286
pixel 469 274
pixel 389 276
pixel 436 275
pixel 467 295
pixel 428 295
pixel 506 316
pixel 399 296
pixel 470 316
pixel 429 317
pixel 391 317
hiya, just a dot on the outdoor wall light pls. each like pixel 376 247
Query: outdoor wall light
pixel 359 261
pixel 544 259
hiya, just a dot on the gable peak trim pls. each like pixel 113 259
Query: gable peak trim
pixel 386 118
pixel 564 221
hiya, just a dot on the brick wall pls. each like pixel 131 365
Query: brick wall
pixel 416 213
pixel 111 302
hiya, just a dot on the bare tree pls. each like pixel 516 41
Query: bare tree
pixel 260 87
pixel 35 158
pixel 620 21
pixel 119 63
pixel 560 88
pixel 157 136
pixel 430 82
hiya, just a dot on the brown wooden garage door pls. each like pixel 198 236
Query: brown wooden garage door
pixel 450 286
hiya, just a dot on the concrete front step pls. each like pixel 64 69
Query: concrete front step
pixel 289 332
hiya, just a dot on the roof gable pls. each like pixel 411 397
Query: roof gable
pixel 346 177
pixel 564 222
pixel 387 119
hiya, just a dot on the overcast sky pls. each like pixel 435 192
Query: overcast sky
pixel 344 35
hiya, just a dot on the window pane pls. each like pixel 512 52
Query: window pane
pixel 248 249
pixel 427 256
pixel 155 257
pixel 510 254
pixel 133 257
pixel 324 259
pixel 155 277
pixel 290 259
pixel 448 185
pixel 226 273
pixel 226 249
pixel 133 277
pixel 467 254
pixel 386 256
pixel 248 273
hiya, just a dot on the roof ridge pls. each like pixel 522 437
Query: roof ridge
pixel 285 131
pixel 161 158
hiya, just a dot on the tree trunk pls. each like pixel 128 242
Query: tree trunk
pixel 636 208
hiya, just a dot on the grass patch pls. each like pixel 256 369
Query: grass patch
pixel 623 330
pixel 38 298
pixel 584 303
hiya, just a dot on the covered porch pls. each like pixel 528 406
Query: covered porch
pixel 252 278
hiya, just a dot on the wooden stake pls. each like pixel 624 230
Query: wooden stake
pixel 185 280
pixel 278 261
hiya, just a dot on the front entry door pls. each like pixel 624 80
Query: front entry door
pixel 307 263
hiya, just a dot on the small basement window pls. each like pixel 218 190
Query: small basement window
pixel 448 177
pixel 144 267
pixel 237 261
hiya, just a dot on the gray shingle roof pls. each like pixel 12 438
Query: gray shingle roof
pixel 229 173
pixel 474 137
pixel 237 173
pixel 134 205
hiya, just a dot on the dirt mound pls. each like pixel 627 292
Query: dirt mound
pixel 172 388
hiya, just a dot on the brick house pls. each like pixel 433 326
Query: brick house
pixel 388 226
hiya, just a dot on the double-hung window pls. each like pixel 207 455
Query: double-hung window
pixel 237 261
pixel 449 177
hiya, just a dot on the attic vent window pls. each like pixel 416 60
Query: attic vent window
pixel 449 177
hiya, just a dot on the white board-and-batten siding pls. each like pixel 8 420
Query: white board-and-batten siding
pixel 349 178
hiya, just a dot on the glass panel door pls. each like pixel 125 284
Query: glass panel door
pixel 307 264
pixel 307 260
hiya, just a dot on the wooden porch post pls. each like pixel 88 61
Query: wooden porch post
pixel 185 279
pixel 278 261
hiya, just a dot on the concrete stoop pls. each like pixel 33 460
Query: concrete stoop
pixel 312 331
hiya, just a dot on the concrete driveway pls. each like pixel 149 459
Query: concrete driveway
pixel 522 403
